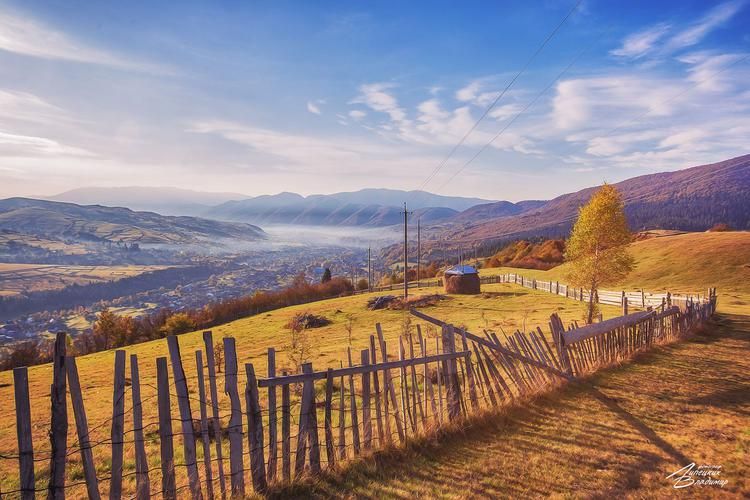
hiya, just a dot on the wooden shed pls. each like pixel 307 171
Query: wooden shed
pixel 462 279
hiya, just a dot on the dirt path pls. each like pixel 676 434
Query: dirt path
pixel 619 435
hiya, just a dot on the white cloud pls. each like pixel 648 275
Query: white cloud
pixel 313 108
pixel 14 145
pixel 639 44
pixel 698 30
pixel 374 96
pixel 357 114
pixel 25 36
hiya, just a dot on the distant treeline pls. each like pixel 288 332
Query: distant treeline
pixel 529 255
pixel 81 295
pixel 112 331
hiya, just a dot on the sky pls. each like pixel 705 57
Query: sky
pixel 320 97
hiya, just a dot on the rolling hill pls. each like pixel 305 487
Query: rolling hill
pixel 693 199
pixel 68 221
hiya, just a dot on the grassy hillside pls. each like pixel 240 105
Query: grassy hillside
pixel 689 262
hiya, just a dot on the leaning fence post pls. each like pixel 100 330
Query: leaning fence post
pixel 82 428
pixel 255 431
pixel 23 427
pixel 206 441
pixel 59 427
pixel 142 485
pixel 210 361
pixel 166 444
pixel 186 417
pixel 272 420
pixel 118 425
pixel 236 461
pixel 557 337
pixel 366 417
pixel 330 454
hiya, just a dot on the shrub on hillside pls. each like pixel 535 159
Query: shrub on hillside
pixel 720 228
pixel 528 255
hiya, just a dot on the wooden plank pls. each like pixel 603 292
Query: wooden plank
pixel 376 390
pixel 272 418
pixel 59 420
pixel 390 391
pixel 166 445
pixel 440 385
pixel 118 425
pixel 483 372
pixel 23 432
pixel 328 421
pixel 491 345
pixel 186 418
pixel 415 386
pixel 342 421
pixel 82 428
pixel 405 405
pixel 312 425
pixel 142 483
pixel 255 431
pixel 588 331
pixel 215 421
pixel 470 374
pixel 358 370
pixel 429 392
pixel 353 408
pixel 366 404
pixel 205 438
pixel 236 459
pixel 451 374
pixel 305 408
pixel 286 420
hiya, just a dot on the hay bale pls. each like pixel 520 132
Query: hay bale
pixel 466 284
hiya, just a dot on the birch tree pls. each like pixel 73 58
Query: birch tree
pixel 596 249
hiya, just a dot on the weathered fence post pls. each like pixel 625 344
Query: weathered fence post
pixel 286 418
pixel 236 460
pixel 186 417
pixel 205 439
pixel 59 428
pixel 353 408
pixel 451 374
pixel 376 389
pixel 272 421
pixel 558 338
pixel 118 425
pixel 366 417
pixel 470 373
pixel 328 421
pixel 142 485
pixel 624 304
pixel 23 428
pixel 211 362
pixel 255 431
pixel 166 444
pixel 82 428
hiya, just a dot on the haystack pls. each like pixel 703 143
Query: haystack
pixel 462 279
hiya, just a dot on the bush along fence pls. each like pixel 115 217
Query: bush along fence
pixel 639 299
pixel 283 427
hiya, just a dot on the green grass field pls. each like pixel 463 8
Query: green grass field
pixel 503 306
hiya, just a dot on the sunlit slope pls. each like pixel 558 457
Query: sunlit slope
pixel 689 262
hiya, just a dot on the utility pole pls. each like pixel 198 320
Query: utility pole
pixel 406 253
pixel 419 252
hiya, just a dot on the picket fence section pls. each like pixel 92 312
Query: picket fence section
pixel 435 377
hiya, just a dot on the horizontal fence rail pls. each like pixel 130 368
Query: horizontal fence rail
pixel 226 430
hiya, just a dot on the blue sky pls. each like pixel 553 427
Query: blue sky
pixel 319 97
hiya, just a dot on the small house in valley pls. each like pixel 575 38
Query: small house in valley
pixel 462 279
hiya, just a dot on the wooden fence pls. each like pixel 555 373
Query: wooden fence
pixel 639 299
pixel 282 427
pixel 395 287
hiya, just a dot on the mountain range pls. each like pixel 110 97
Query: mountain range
pixel 693 199
pixel 92 223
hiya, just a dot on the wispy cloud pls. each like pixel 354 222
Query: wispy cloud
pixel 715 18
pixel 313 108
pixel 377 97
pixel 639 44
pixel 357 114
pixel 15 145
pixel 26 36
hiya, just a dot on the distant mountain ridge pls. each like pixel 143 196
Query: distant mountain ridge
pixel 68 221
pixel 367 207
pixel 693 199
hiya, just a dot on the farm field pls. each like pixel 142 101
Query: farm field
pixel 17 279
pixel 501 306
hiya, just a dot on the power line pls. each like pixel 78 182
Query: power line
pixel 499 96
pixel 510 122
